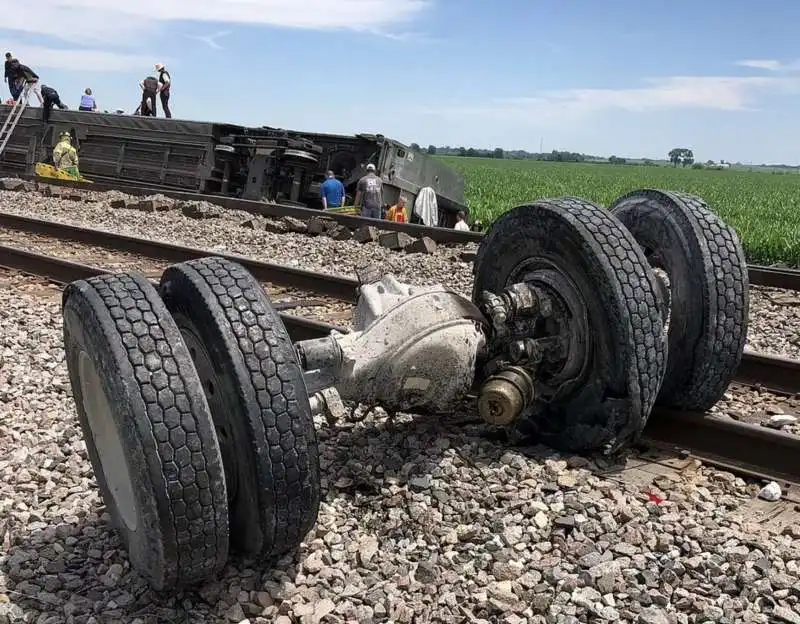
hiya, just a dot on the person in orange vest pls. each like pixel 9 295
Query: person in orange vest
pixel 398 211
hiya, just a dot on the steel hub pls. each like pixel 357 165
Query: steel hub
pixel 566 321
pixel 107 441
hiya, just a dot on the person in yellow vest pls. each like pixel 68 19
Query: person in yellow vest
pixel 65 156
pixel 398 211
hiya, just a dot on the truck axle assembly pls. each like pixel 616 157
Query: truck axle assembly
pixel 197 409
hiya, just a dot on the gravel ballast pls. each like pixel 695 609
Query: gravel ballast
pixel 423 520
pixel 774 318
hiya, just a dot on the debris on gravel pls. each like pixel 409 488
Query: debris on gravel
pixel 774 321
pixel 760 408
pixel 424 519
pixel 774 318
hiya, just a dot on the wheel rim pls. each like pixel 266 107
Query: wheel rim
pixel 213 391
pixel 107 441
pixel 569 320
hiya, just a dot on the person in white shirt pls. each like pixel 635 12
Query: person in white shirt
pixel 461 222
pixel 164 84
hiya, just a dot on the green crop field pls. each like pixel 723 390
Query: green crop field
pixel 764 208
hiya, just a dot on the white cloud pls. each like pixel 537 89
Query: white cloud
pixel 770 65
pixel 124 21
pixel 211 40
pixel 680 92
pixel 75 59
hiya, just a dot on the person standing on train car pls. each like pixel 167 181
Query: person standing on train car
pixel 164 84
pixel 12 83
pixel 23 76
pixel 88 103
pixel 149 88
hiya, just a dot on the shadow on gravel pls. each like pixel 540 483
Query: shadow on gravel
pixel 410 449
pixel 80 573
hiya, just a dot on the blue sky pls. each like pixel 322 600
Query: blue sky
pixel 627 77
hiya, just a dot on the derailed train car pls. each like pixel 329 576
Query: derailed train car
pixel 260 164
pixel 403 170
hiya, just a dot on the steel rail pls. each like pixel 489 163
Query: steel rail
pixel 738 447
pixel 65 271
pixel 775 277
pixel 772 373
pixel 335 286
pixel 440 235
pixel 338 287
pixel 779 375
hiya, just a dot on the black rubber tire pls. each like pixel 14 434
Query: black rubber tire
pixel 710 291
pixel 628 357
pixel 163 424
pixel 260 403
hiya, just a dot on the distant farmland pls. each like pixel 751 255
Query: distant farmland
pixel 763 207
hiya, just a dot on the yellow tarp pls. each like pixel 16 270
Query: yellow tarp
pixel 348 210
pixel 48 171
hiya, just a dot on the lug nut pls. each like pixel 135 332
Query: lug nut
pixel 524 350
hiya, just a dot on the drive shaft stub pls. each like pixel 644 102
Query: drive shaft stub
pixel 505 395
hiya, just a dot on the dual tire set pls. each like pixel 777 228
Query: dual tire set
pixel 658 290
pixel 195 416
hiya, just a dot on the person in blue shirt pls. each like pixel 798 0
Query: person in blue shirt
pixel 332 192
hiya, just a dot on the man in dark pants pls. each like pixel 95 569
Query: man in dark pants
pixel 23 75
pixel 12 84
pixel 51 98
pixel 164 83
pixel 149 89
pixel 369 194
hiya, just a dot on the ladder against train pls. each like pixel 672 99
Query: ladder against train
pixel 13 117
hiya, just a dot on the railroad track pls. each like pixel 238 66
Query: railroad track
pixel 774 277
pixel 742 448
pixel 338 288
pixel 775 374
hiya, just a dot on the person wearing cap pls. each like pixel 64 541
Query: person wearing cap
pixel 50 98
pixel 369 194
pixel 12 83
pixel 65 157
pixel 332 192
pixel 164 83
